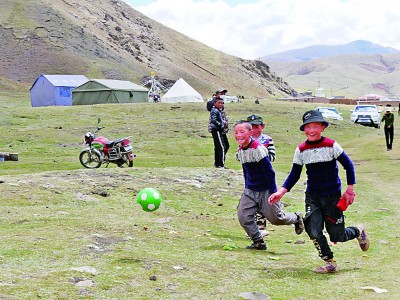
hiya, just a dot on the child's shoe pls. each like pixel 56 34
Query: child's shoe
pixel 260 245
pixel 299 226
pixel 330 267
pixel 363 239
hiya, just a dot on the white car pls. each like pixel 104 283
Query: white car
pixel 229 99
pixel 366 114
pixel 330 113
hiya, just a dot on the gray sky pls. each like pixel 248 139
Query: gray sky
pixel 251 28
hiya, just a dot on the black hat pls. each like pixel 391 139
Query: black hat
pixel 312 116
pixel 220 91
pixel 255 120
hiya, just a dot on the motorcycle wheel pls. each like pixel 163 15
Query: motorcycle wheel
pixel 90 159
pixel 125 161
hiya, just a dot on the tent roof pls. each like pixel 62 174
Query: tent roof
pixel 181 91
pixel 64 80
pixel 120 85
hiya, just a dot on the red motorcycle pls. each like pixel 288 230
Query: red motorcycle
pixel 101 150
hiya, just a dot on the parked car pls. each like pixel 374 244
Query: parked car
pixel 366 114
pixel 330 113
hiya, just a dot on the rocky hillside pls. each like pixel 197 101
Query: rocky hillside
pixel 109 39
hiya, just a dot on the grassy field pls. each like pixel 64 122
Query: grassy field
pixel 72 233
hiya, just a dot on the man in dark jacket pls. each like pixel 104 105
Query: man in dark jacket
pixel 217 130
pixel 388 117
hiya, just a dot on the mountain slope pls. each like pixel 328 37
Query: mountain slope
pixel 322 51
pixel 345 75
pixel 109 39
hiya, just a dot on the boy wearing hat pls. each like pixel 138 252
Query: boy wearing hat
pixel 258 126
pixel 320 156
pixel 388 128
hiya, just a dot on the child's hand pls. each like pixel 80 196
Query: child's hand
pixel 349 195
pixel 275 197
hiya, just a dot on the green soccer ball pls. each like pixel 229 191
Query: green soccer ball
pixel 149 199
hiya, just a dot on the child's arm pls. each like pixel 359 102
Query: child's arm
pixel 269 174
pixel 271 150
pixel 348 165
pixel 290 181
pixel 275 197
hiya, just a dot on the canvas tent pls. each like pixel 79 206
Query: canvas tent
pixel 98 91
pixel 50 90
pixel 181 91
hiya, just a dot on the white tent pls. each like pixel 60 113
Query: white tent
pixel 181 91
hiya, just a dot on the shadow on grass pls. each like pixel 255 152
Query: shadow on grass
pixel 306 272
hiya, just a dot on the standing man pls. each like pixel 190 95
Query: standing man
pixel 220 93
pixel 388 117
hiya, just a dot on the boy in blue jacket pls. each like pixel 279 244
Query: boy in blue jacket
pixel 259 177
pixel 216 127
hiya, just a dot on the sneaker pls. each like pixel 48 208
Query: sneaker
pixel 299 226
pixel 330 267
pixel 363 239
pixel 264 232
pixel 261 245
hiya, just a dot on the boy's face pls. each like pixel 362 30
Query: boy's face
pixel 243 134
pixel 257 129
pixel 218 104
pixel 313 131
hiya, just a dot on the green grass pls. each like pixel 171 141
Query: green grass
pixel 53 219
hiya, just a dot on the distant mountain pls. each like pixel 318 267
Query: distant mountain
pixel 344 75
pixel 109 39
pixel 321 51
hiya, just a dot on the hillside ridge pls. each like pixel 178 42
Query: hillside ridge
pixel 109 39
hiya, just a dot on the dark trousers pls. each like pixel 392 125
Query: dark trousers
pixel 389 131
pixel 321 211
pixel 219 148
pixel 226 142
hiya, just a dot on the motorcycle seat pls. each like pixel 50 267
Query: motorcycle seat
pixel 111 144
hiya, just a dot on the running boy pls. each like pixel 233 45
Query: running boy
pixel 259 177
pixel 257 125
pixel 320 155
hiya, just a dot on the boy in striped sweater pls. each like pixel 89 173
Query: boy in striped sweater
pixel 320 156
pixel 259 179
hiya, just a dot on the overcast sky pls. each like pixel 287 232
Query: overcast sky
pixel 252 29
